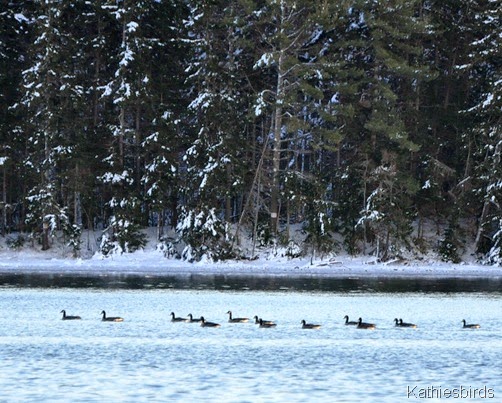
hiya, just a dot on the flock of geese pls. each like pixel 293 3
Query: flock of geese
pixel 104 317
pixel 262 322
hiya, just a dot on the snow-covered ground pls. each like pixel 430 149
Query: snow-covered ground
pixel 150 261
pixel 154 263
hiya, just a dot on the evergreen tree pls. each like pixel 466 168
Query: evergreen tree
pixel 447 144
pixel 259 113
pixel 219 95
pixel 486 76
pixel 130 92
pixel 290 95
pixel 15 37
pixel 164 138
pixel 53 104
pixel 381 68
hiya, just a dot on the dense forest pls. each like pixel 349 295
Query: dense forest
pixel 361 122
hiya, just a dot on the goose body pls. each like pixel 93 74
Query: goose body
pixel 364 325
pixel 347 322
pixel 267 324
pixel 404 324
pixel 204 323
pixel 175 318
pixel 306 325
pixel 257 321
pixel 191 319
pixel 470 326
pixel 236 320
pixel 111 318
pixel 69 317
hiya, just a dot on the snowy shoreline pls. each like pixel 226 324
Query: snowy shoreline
pixel 154 264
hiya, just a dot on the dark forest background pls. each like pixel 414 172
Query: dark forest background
pixel 358 125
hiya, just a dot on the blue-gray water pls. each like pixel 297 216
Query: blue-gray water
pixel 148 358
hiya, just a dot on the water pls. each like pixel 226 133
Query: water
pixel 148 358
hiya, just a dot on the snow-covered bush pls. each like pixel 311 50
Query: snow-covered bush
pixel 205 235
pixel 293 250
pixel 16 242
pixel 167 246
pixel 45 216
pixel 121 236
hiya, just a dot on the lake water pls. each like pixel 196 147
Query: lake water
pixel 148 358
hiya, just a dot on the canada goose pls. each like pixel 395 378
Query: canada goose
pixel 404 324
pixel 69 317
pixel 347 321
pixel 191 319
pixel 364 325
pixel 236 320
pixel 257 321
pixel 306 325
pixel 177 318
pixel 204 323
pixel 267 324
pixel 111 318
pixel 470 326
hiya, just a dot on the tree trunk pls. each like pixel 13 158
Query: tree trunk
pixel 228 198
pixel 482 220
pixel 45 235
pixel 276 153
pixel 4 200
pixel 77 204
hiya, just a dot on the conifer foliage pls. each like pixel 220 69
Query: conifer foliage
pixel 309 126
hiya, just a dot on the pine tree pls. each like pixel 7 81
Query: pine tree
pixel 486 76
pixel 53 104
pixel 15 37
pixel 130 93
pixel 259 113
pixel 289 94
pixel 381 68
pixel 218 111
pixel 163 139
pixel 447 144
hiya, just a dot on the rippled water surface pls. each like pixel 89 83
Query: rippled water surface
pixel 149 358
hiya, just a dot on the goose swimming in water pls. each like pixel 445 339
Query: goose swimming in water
pixel 175 318
pixel 236 320
pixel 306 325
pixel 470 326
pixel 347 322
pixel 405 324
pixel 364 325
pixel 267 324
pixel 191 319
pixel 111 318
pixel 69 317
pixel 257 321
pixel 400 323
pixel 204 323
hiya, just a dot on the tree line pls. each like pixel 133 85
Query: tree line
pixel 362 122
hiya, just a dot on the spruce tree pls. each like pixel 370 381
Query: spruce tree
pixel 53 105
pixel 381 67
pixel 15 39
pixel 163 140
pixel 130 95
pixel 218 114
pixel 486 112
